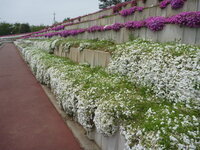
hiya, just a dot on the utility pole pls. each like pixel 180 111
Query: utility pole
pixel 54 18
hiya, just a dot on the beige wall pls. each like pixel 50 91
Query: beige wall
pixel 92 57
pixel 169 33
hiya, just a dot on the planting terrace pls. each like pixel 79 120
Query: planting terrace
pixel 129 74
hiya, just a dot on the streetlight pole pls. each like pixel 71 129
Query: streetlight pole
pixel 54 18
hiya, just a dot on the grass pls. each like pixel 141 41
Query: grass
pixel 95 44
pixel 109 46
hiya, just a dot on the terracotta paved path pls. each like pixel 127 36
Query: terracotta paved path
pixel 28 120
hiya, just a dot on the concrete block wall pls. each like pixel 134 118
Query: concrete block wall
pixel 92 57
pixel 169 33
pixel 115 142
pixel 97 15
pixel 151 10
pixel 110 12
pixel 191 5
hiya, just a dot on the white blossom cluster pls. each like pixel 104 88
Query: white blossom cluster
pixel 83 46
pixel 61 78
pixel 67 47
pixel 141 139
pixel 182 131
pixel 48 73
pixel 110 103
pixel 172 71
pixel 45 45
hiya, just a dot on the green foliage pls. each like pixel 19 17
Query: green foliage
pixel 5 28
pixel 131 37
pixel 37 28
pixel 24 28
pixel 102 45
pixel 66 19
pixel 17 28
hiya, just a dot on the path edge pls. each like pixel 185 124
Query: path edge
pixel 77 130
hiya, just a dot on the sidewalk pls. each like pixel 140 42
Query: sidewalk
pixel 28 120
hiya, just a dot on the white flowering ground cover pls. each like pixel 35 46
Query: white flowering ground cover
pixel 67 43
pixel 132 99
pixel 172 71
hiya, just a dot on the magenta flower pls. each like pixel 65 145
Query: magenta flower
pixel 58 28
pixel 107 27
pixel 140 9
pixel 117 26
pixel 164 3
pixel 176 4
pixel 155 23
pixel 95 28
pixel 67 33
pixel 127 12
pixel 130 11
pixel 134 24
pixel 189 19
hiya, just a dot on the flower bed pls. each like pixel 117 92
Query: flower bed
pixel 117 9
pixel 175 4
pixel 188 19
pixel 172 70
pixel 119 6
pixel 129 103
pixel 130 11
pixel 50 44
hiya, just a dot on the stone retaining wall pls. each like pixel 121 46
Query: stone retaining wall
pixel 91 57
pixel 152 9
pixel 110 11
pixel 169 33
pixel 115 142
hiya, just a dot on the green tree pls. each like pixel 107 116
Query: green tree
pixel 5 28
pixel 37 28
pixel 68 18
pixel 106 3
pixel 16 28
pixel 24 28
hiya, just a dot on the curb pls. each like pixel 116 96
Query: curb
pixel 77 130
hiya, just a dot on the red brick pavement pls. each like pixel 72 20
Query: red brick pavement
pixel 28 120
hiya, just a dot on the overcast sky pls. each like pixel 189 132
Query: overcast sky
pixel 36 12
